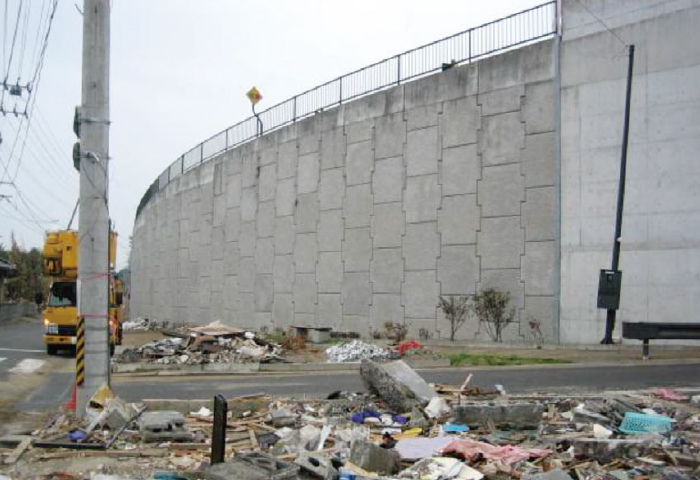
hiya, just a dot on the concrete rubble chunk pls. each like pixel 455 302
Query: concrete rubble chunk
pixel 256 466
pixel 164 426
pixel 318 464
pixel 520 415
pixel 397 384
pixel 372 458
pixel 604 451
pixel 556 474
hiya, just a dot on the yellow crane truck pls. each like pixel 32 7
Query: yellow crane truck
pixel 61 312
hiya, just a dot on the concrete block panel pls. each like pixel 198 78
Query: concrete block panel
pixel 390 136
pixel 308 173
pixel 230 291
pixel 538 214
pixel 304 318
pixel 286 197
pixel 387 270
pixel 422 152
pixel 357 249
pixel 421 92
pixel 231 258
pixel 543 311
pixel 246 274
pixel 388 225
pixel 387 180
pixel 268 183
pixel 284 235
pixel 232 160
pixel 421 246
pixel 358 206
pixel 306 216
pixel 217 243
pixel 266 219
pixel 500 243
pixel 305 252
pixel 330 231
pixel 359 131
pixel 329 272
pixel 249 204
pixel 501 101
pixel 263 293
pixel 333 148
pixel 501 190
pixel 538 107
pixel 356 293
pixel 283 273
pixel 287 160
pixel 217 278
pixel 524 65
pixel 460 121
pixel 422 198
pixel 264 255
pixel 247 239
pixel 218 215
pixel 332 189
pixel 249 170
pixel 385 308
pixel 204 291
pixel 459 219
pixel 268 154
pixel 505 280
pixel 538 160
pixel 283 310
pixel 360 162
pixel 538 268
pixel 423 117
pixel 305 293
pixel 329 311
pixel 458 270
pixel 263 322
pixel 354 323
pixel 245 311
pixel 501 139
pixel 419 294
pixel 460 170
pixel 309 140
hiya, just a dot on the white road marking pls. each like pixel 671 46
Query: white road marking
pixel 2 359
pixel 21 350
pixel 28 365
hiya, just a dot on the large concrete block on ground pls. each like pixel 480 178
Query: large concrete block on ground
pixel 357 249
pixel 306 216
pixel 538 268
pixel 332 148
pixel 284 235
pixel 268 183
pixel 458 270
pixel 538 214
pixel 263 293
pixel 329 311
pixel 420 293
pixel 422 198
pixel 385 308
pixel 397 384
pixel 538 107
pixel 356 293
pixel 283 310
pixel 329 272
pixel 515 415
pixel 501 191
pixel 372 458
pixel 286 197
pixel 459 219
pixel 305 252
pixel 266 219
pixel 308 173
pixel 358 206
pixel 460 121
pixel 501 139
pixel 287 156
pixel 247 239
pixel 423 117
pixel 387 270
pixel 390 136
pixel 422 152
pixel 305 293
pixel 501 101
pixel 538 160
pixel 421 246
pixel 283 273
pixel 332 189
pixel 360 162
pixel 388 225
pixel 501 242
pixel 330 230
pixel 460 170
pixel 264 255
pixel 387 180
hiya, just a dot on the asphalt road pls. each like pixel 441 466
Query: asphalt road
pixel 20 341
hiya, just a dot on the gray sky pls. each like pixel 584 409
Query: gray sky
pixel 179 73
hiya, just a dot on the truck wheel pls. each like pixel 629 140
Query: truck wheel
pixel 51 349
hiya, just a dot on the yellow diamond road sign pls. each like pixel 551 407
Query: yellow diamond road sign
pixel 254 95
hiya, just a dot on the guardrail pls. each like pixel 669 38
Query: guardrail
pixel 503 34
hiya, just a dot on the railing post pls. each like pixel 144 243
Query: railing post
pixel 201 152
pixel 226 147
pixel 470 44
pixel 340 90
pixel 398 69
pixel 295 109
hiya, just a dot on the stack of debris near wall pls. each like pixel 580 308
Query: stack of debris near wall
pixel 401 428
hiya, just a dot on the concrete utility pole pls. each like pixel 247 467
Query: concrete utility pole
pixel 93 259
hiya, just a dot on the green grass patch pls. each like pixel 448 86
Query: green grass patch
pixel 459 359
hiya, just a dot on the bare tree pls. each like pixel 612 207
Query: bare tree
pixel 456 308
pixel 491 308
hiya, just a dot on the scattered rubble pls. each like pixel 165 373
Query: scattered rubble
pixel 355 351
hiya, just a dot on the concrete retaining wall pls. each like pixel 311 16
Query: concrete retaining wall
pixel 12 311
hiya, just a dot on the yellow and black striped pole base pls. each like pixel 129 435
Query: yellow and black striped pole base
pixel 80 352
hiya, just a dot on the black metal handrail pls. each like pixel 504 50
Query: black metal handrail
pixel 505 33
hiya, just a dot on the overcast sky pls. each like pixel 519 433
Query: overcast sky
pixel 179 73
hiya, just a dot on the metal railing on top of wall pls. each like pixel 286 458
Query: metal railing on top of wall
pixel 506 33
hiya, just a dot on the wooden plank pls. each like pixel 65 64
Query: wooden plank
pixel 19 451
pixel 253 439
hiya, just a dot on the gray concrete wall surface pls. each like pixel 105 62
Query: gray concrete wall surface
pixel 13 311
pixel 660 256
pixel 366 213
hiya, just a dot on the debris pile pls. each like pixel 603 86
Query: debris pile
pixel 355 351
pixel 213 343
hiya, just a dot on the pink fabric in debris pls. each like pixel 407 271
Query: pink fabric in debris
pixel 508 455
pixel 669 394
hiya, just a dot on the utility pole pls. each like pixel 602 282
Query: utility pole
pixel 93 253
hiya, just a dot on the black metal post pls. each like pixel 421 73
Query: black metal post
pixel 218 437
pixel 610 320
pixel 259 128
